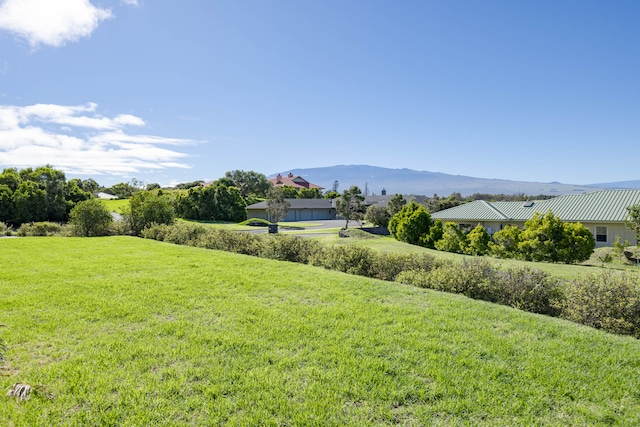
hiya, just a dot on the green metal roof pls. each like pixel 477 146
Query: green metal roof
pixel 599 206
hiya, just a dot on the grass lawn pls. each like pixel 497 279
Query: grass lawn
pixel 115 205
pixel 131 332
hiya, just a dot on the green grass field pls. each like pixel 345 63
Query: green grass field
pixel 131 332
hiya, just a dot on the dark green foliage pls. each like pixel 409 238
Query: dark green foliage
pixel 43 228
pixel 309 193
pixel 29 203
pixel 249 183
pixel 216 202
pixel 411 224
pixel 331 195
pixel 609 301
pixel 90 218
pixel 124 190
pixel 377 215
pixel 288 192
pixel 40 194
pixel 146 208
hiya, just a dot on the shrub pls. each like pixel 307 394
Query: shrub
pixel 526 289
pixel 388 266
pixel 453 240
pixel 90 218
pixel 231 241
pixel 39 229
pixel 348 259
pixel 288 248
pixel 377 215
pixel 5 230
pixel 411 224
pixel 477 241
pixel 606 301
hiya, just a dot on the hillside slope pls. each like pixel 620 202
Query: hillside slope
pixel 125 331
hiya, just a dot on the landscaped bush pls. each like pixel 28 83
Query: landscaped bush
pixel 524 288
pixel 387 266
pixel 5 230
pixel 289 248
pixel 40 229
pixel 609 301
pixel 348 259
pixel 527 289
pixel 231 241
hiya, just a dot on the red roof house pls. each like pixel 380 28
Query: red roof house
pixel 294 181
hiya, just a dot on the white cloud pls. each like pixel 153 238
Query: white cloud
pixel 87 143
pixel 51 22
pixel 130 2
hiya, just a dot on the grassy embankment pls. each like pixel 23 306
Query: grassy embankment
pixel 125 331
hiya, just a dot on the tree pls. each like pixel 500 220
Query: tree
pixel 6 204
pixel 309 193
pixel 90 218
pixel 147 207
pixel 277 206
pixel 330 195
pixel 377 215
pixel 289 192
pixel 477 241
pixel 453 240
pixel 249 183
pixel 396 203
pixel 30 203
pixel 577 243
pixel 633 220
pixel 411 224
pixel 123 190
pixel 349 205
pixel 547 238
pixel 540 238
pixel 505 242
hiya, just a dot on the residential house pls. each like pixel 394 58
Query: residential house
pixel 294 181
pixel 300 210
pixel 603 212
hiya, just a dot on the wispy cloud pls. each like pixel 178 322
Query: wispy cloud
pixel 130 2
pixel 78 140
pixel 53 23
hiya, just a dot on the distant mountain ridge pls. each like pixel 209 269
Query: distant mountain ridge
pixel 409 181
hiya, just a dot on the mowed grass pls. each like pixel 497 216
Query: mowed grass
pixel 131 332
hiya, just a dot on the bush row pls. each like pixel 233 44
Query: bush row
pixel 609 301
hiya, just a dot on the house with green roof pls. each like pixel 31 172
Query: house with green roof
pixel 603 212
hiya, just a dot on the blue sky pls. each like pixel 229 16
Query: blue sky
pixel 175 91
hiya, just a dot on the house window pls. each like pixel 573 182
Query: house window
pixel 601 234
pixel 465 228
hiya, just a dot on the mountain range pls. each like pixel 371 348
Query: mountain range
pixel 375 179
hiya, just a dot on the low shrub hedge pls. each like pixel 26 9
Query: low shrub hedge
pixel 606 301
pixel 41 229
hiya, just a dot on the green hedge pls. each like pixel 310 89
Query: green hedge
pixel 607 301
